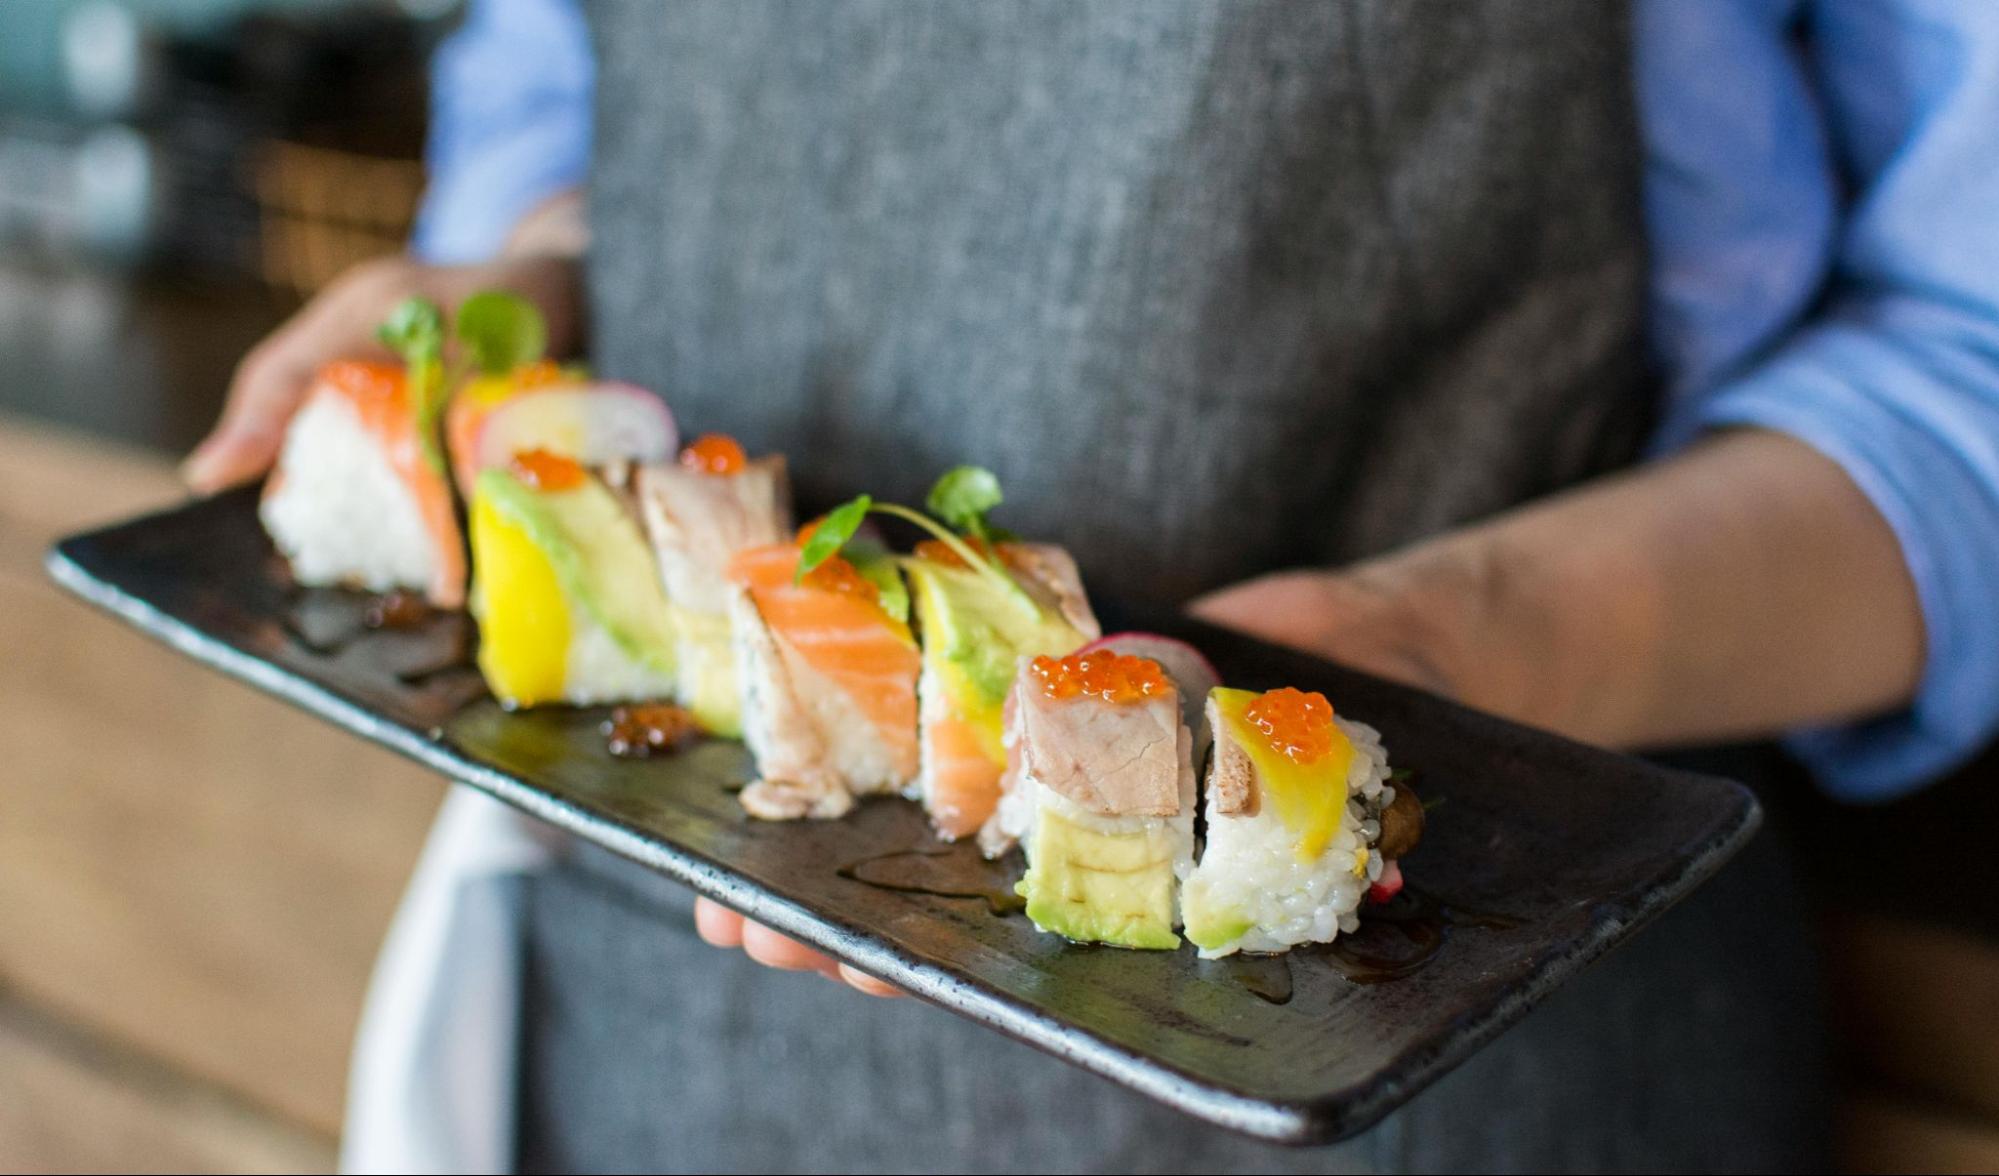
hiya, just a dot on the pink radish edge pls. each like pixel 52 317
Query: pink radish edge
pixel 669 428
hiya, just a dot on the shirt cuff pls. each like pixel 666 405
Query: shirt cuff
pixel 473 204
pixel 1925 458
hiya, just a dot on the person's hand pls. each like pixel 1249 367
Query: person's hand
pixel 722 927
pixel 1367 621
pixel 340 323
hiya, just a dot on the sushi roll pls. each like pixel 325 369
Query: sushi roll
pixel 1100 796
pixel 699 512
pixel 826 666
pixel 491 418
pixel 1301 824
pixel 569 606
pixel 974 635
pixel 359 496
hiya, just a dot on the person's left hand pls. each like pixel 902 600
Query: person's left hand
pixel 722 927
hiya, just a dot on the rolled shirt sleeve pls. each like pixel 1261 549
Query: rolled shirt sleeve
pixel 1894 371
pixel 510 124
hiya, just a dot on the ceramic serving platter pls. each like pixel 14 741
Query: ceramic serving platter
pixel 1539 855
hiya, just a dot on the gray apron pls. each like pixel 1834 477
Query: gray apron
pixel 1216 289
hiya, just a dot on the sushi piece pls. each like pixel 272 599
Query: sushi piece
pixel 974 635
pixel 539 407
pixel 1101 797
pixel 1301 824
pixel 359 497
pixel 477 399
pixel 569 606
pixel 699 512
pixel 827 668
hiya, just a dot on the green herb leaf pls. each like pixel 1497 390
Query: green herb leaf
pixel 831 535
pixel 963 497
pixel 878 567
pixel 414 330
pixel 501 331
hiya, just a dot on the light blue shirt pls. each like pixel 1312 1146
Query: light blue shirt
pixel 1822 195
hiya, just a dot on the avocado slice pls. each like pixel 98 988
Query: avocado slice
pixel 598 556
pixel 708 672
pixel 1092 887
pixel 974 635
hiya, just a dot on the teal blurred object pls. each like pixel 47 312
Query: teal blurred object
pixel 33 79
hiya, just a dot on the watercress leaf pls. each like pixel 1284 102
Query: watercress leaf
pixel 963 496
pixel 501 331
pixel 878 567
pixel 414 330
pixel 832 534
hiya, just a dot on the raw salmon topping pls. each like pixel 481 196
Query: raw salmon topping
pixel 540 469
pixel 714 454
pixel 1296 725
pixel 1113 677
pixel 363 381
pixel 838 575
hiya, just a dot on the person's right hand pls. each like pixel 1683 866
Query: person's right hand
pixel 340 323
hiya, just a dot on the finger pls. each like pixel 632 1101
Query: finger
pixel 273 379
pixel 773 950
pixel 717 925
pixel 1262 606
pixel 267 388
pixel 863 982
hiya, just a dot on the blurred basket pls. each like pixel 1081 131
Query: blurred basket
pixel 322 210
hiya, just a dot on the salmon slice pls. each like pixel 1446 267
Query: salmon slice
pixel 845 639
pixel 379 395
pixel 963 778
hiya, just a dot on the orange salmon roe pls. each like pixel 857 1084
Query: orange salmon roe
pixel 1298 726
pixel 543 470
pixel 839 575
pixel 1113 677
pixel 714 454
pixel 538 374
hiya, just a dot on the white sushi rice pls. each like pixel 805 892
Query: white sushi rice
pixel 340 514
pixel 1250 871
pixel 599 670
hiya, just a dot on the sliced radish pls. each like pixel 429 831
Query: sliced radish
pixel 1192 673
pixel 1388 885
pixel 593 423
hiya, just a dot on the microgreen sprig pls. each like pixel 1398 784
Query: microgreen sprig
pixel 496 332
pixel 414 330
pixel 962 497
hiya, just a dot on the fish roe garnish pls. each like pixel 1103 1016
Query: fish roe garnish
pixel 1297 725
pixel 539 374
pixel 542 469
pixel 838 574
pixel 714 453
pixel 1110 676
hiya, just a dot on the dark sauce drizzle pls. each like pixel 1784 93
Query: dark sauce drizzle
pixel 956 872
pixel 1396 939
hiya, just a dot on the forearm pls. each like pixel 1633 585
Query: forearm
pixel 1740 589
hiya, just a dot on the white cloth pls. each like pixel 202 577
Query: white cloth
pixel 432 1085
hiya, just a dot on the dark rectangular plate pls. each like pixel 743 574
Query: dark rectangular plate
pixel 1575 847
